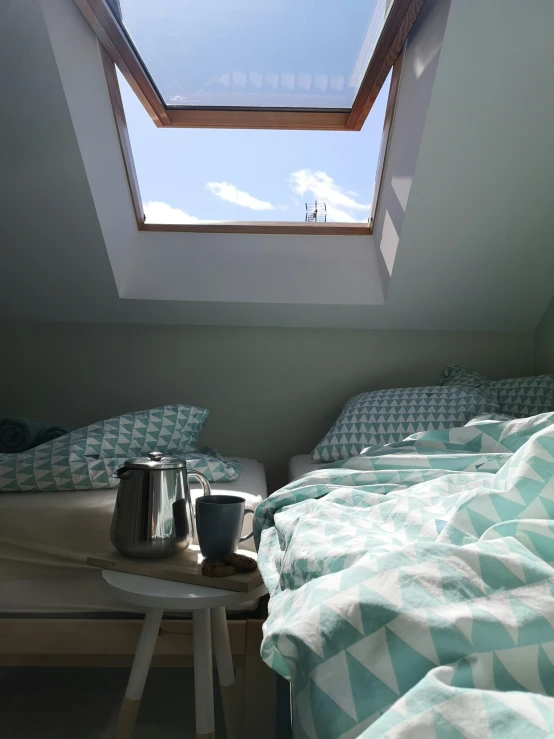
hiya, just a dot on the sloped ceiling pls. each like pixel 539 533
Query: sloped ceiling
pixel 474 251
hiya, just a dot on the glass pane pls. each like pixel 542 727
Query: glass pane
pixel 252 53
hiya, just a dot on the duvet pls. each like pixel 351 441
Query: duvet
pixel 412 588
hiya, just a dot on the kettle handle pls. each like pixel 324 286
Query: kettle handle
pixel 206 489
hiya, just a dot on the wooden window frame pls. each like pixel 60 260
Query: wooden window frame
pixel 113 38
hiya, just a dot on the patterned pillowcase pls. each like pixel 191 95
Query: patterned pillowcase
pixel 526 396
pixel 456 375
pixel 468 379
pixel 386 416
pixel 171 428
pixel 87 458
pixel 519 397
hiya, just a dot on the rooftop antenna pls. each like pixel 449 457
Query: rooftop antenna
pixel 316 212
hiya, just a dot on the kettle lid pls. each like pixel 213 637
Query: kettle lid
pixel 155 461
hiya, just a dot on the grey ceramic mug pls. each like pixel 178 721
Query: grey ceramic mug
pixel 219 524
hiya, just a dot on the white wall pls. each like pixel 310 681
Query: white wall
pixel 544 342
pixel 310 270
pixel 272 393
pixel 419 67
pixel 479 214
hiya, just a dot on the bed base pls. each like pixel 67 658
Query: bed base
pixel 67 642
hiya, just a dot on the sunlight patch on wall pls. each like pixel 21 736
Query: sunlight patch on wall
pixel 389 242
pixel 401 187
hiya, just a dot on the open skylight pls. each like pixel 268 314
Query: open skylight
pixel 314 64
pixel 202 176
pixel 321 70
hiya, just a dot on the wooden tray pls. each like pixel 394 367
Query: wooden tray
pixel 184 567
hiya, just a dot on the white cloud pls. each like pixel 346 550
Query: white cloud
pixel 231 194
pixel 341 207
pixel 158 212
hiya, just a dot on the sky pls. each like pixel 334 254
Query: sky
pixel 207 175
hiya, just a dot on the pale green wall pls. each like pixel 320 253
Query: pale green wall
pixel 272 392
pixel 544 342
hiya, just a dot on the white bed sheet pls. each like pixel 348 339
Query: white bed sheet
pixel 301 464
pixel 45 539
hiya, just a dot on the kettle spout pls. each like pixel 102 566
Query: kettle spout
pixel 122 473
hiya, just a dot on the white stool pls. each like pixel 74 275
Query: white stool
pixel 207 606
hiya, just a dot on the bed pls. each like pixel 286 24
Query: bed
pixel 45 539
pixel 301 464
pixel 412 586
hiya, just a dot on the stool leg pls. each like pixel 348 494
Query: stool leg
pixel 225 671
pixel 139 672
pixel 203 677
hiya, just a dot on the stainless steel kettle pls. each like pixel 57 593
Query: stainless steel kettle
pixel 153 511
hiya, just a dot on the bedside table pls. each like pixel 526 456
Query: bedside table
pixel 209 624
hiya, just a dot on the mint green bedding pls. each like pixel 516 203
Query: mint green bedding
pixel 412 589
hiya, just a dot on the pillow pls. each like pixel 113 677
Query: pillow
pixel 526 396
pixel 519 397
pixel 171 428
pixel 386 416
pixel 87 458
pixel 457 375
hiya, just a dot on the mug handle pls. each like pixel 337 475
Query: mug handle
pixel 244 538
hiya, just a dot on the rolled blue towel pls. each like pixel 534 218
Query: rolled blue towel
pixel 51 433
pixel 19 434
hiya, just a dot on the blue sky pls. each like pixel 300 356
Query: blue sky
pixel 202 175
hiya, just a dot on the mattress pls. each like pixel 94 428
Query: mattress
pixel 302 463
pixel 45 539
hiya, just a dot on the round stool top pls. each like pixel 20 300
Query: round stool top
pixel 150 592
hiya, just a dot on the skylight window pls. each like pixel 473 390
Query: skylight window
pixel 204 176
pixel 314 64
pixel 328 71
